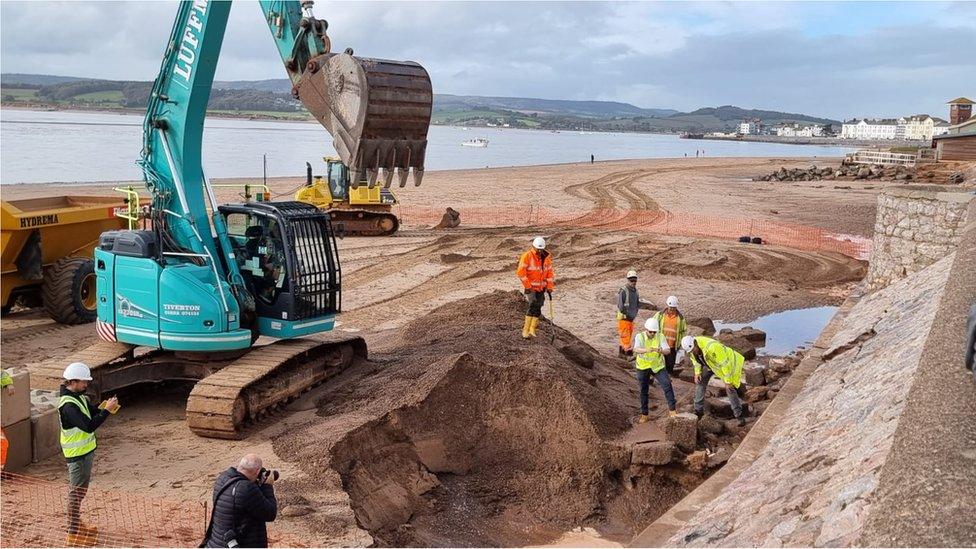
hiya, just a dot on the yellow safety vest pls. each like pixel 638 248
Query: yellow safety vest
pixel 649 361
pixel 724 361
pixel 74 441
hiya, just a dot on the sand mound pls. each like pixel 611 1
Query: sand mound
pixel 506 443
pixel 458 432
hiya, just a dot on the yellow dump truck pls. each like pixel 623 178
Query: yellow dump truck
pixel 47 248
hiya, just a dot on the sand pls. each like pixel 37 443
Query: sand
pixel 391 281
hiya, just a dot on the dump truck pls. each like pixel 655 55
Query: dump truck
pixel 47 252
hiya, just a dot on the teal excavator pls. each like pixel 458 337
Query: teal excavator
pixel 188 297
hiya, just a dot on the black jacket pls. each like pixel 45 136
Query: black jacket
pixel 242 511
pixel 71 416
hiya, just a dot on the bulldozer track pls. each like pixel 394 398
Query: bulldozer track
pixel 223 404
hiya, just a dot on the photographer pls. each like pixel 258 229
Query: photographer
pixel 244 502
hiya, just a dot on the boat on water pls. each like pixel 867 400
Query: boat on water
pixel 479 142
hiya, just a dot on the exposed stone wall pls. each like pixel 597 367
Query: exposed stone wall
pixel 813 483
pixel 915 227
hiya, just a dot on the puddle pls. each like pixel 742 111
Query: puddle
pixel 787 330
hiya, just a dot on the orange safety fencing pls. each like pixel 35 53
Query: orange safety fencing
pixel 663 222
pixel 34 514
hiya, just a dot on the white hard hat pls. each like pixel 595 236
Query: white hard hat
pixel 651 324
pixel 77 370
pixel 687 343
pixel 672 301
pixel 539 243
pixel 631 274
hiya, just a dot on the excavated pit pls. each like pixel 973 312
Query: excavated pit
pixel 489 440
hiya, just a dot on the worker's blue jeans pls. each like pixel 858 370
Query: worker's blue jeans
pixel 663 379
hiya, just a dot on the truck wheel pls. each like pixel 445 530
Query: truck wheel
pixel 69 291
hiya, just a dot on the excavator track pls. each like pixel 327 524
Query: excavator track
pixel 228 394
pixel 361 222
pixel 223 404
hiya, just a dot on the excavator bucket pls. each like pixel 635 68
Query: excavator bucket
pixel 377 111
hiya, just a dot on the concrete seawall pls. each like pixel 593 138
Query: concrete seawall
pixel 881 395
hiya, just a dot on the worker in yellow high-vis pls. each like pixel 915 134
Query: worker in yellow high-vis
pixel 650 348
pixel 711 357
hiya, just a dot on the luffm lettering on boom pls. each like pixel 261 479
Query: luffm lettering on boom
pixel 190 40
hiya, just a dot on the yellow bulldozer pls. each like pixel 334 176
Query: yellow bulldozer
pixel 356 210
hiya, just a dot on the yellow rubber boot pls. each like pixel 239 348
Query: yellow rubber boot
pixel 526 327
pixel 532 325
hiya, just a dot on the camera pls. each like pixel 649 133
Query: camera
pixel 263 475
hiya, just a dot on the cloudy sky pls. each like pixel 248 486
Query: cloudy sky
pixel 822 58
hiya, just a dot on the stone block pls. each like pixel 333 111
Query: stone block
pixel 708 424
pixel 755 394
pixel 740 344
pixel 753 335
pixel 16 407
pixel 719 457
pixel 653 453
pixel 719 407
pixel 19 449
pixel 706 325
pixel 45 430
pixel 753 374
pixel 682 430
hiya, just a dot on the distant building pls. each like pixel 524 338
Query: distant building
pixel 960 110
pixel 920 127
pixel 958 142
pixel 751 127
pixel 870 129
pixel 792 129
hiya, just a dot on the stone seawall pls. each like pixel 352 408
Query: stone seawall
pixel 915 227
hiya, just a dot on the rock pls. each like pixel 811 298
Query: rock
pixel 753 335
pixel 698 461
pixel 653 453
pixel 719 457
pixel 781 366
pixel 839 173
pixel 296 510
pixel 682 430
pixel 740 344
pixel 759 407
pixel 901 177
pixel 708 424
pixel 863 173
pixel 753 374
pixel 755 394
pixel 771 375
pixel 719 407
pixel 706 324
pixel 450 219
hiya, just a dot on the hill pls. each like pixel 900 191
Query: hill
pixel 272 98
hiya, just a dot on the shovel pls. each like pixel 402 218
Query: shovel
pixel 552 320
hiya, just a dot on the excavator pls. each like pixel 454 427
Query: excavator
pixel 188 296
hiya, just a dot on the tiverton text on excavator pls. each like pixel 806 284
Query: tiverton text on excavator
pixel 189 298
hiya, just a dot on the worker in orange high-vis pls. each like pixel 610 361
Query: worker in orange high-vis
pixel 673 326
pixel 535 272
pixel 627 304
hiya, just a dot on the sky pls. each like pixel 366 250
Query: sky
pixel 832 59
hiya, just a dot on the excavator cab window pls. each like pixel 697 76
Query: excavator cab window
pixel 260 254
pixel 338 181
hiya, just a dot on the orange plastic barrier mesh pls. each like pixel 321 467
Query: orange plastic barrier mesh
pixel 658 221
pixel 34 514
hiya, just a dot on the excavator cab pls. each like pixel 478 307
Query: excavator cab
pixel 287 254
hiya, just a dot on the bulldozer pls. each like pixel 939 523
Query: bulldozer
pixel 355 210
pixel 197 294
